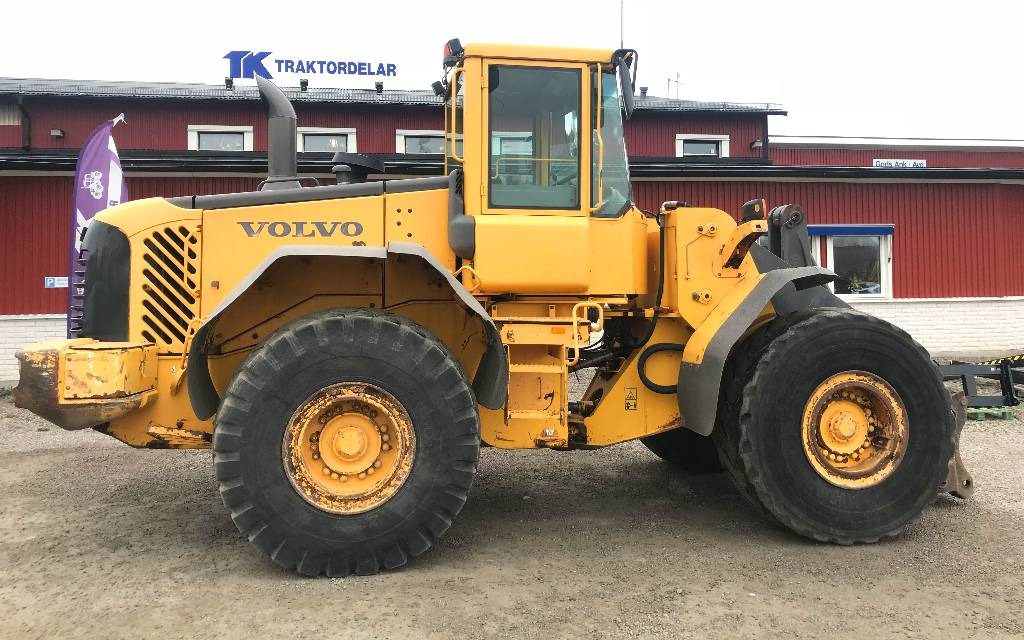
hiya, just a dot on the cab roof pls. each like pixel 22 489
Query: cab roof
pixel 528 52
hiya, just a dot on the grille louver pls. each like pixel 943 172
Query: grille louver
pixel 170 285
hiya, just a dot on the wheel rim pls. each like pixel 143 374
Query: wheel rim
pixel 349 448
pixel 855 430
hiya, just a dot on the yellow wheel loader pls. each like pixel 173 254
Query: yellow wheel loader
pixel 346 350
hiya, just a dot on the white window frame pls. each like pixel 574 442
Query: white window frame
pixel 195 129
pixel 721 138
pixel 350 143
pixel 885 264
pixel 400 135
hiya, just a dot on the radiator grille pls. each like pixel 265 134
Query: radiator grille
pixel 170 285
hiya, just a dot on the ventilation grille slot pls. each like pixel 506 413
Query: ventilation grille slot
pixel 170 285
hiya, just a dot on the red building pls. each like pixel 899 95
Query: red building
pixel 929 238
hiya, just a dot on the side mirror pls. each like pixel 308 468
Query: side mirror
pixel 625 87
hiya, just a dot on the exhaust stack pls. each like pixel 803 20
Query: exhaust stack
pixel 282 165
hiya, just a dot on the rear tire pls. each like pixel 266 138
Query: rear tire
pixel 685 449
pixel 407 369
pixel 765 413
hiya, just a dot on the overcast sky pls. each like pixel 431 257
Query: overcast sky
pixel 864 68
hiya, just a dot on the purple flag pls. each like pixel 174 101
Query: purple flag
pixel 99 184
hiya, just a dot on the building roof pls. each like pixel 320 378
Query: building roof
pixel 409 97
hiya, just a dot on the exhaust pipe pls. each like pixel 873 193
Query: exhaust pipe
pixel 282 165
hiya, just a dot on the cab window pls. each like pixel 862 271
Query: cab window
pixel 611 193
pixel 533 138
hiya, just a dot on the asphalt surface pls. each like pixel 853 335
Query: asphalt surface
pixel 101 541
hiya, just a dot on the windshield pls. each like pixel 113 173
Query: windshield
pixel 615 196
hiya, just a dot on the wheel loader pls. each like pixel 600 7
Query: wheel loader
pixel 346 350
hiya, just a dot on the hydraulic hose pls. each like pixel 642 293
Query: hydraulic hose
pixel 641 365
pixel 661 280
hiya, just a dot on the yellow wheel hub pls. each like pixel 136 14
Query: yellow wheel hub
pixel 854 430
pixel 349 448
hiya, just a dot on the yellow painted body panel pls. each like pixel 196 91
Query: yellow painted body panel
pixel 169 411
pixel 138 215
pixel 694 259
pixel 238 240
pixel 619 254
pixel 537 53
pixel 532 254
pixel 629 410
pixel 420 217
pixel 93 370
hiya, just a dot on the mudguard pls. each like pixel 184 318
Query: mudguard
pixel 490 383
pixel 699 384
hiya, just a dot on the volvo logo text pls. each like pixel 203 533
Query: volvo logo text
pixel 302 229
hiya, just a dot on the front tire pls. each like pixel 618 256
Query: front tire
pixel 346 443
pixel 842 430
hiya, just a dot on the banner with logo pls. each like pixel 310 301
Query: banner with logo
pixel 99 184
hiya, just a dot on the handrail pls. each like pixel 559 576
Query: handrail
pixel 515 158
pixel 575 327
pixel 455 101
pixel 600 145
pixel 468 269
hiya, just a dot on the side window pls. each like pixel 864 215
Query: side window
pixel 534 138
pixel 859 254
pixel 858 261
pixel 699 145
pixel 215 137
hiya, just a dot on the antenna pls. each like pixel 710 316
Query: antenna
pixel 668 85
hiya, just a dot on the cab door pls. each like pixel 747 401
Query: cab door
pixel 532 230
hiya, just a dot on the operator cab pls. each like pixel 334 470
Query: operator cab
pixel 537 133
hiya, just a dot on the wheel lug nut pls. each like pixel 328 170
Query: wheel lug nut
pixel 361 475
pixel 385 437
pixel 316 456
pixel 335 476
pixel 327 471
pixel 376 463
pixel 385 446
pixel 343 477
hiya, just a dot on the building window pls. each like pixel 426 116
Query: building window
pixel 861 255
pixel 423 141
pixel 213 137
pixel 324 140
pixel 702 145
pixel 9 115
pixel 428 141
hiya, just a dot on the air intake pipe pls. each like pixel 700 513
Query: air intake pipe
pixel 282 165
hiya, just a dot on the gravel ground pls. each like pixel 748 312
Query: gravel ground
pixel 100 541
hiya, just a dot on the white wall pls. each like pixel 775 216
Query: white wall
pixel 16 331
pixel 957 326
pixel 946 327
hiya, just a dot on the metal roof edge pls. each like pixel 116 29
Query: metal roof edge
pixel 138 90
pixel 430 164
